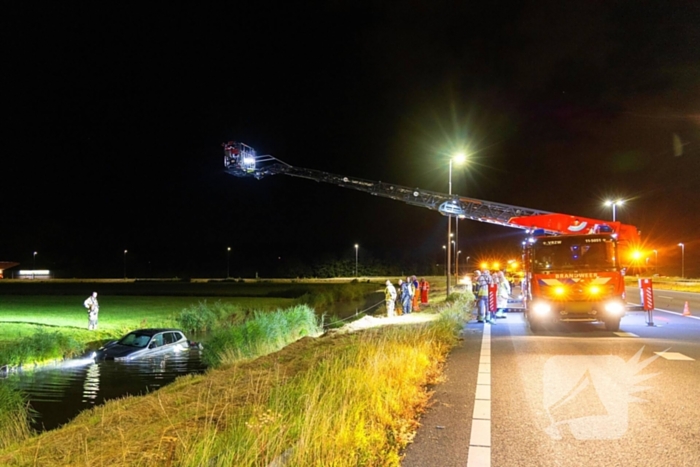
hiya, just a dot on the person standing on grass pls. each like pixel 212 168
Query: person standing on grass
pixel 93 309
pixel 415 306
pixel 406 296
pixel 424 287
pixel 390 298
pixel 399 300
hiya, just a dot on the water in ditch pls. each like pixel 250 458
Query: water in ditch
pixel 59 392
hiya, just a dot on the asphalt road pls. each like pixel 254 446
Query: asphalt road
pixel 573 395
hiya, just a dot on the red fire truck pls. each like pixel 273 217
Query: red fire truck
pixel 573 269
pixel 573 265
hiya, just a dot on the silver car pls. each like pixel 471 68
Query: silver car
pixel 144 343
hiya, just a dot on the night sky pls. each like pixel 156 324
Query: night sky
pixel 114 115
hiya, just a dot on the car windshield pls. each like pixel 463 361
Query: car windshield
pixel 134 339
pixel 574 254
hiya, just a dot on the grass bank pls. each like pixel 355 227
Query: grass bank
pixel 667 283
pixel 343 399
pixel 40 328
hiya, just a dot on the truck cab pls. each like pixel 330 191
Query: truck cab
pixel 573 278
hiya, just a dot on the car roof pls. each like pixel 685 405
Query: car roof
pixel 153 331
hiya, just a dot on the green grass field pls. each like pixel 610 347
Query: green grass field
pixel 116 312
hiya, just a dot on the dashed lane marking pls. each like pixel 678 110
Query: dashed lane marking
pixel 674 356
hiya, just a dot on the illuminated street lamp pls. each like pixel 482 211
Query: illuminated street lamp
pixel 125 252
pixel 458 158
pixel 356 252
pixel 35 260
pixel 682 260
pixel 615 203
pixel 228 262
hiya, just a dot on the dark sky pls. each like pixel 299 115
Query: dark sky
pixel 113 117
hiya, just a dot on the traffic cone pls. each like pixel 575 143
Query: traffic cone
pixel 686 310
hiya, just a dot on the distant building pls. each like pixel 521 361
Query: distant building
pixel 33 274
pixel 6 265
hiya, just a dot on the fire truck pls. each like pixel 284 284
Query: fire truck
pixel 573 265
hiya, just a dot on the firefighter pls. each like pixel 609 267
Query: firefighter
pixel 93 309
pixel 390 299
pixel 482 281
pixel 406 295
pixel 415 301
pixel 503 294
pixel 424 287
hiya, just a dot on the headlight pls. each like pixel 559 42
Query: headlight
pixel 541 308
pixel 616 308
pixel 594 290
pixel 559 291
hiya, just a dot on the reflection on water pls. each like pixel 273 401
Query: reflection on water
pixel 60 392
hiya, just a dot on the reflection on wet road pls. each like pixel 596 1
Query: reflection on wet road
pixel 60 392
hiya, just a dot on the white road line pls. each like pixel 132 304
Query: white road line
pixel 676 313
pixel 480 440
pixel 625 334
pixel 674 356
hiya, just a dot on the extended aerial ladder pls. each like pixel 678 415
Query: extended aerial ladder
pixel 241 160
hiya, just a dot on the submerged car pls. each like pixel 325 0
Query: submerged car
pixel 145 343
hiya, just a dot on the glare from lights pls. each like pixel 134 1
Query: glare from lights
pixel 29 272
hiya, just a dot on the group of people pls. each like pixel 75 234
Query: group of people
pixel 481 282
pixel 410 295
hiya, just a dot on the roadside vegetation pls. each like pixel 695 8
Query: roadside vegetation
pixel 15 415
pixel 667 283
pixel 341 399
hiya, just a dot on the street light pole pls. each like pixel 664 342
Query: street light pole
pixel 449 238
pixel 682 260
pixel 445 248
pixel 456 246
pixel 228 262
pixel 356 252
pixel 35 260
pixel 125 252
pixel 656 261
pixel 459 158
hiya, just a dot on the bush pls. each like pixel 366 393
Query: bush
pixel 40 347
pixel 264 333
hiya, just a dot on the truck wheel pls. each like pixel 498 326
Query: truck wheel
pixel 612 324
pixel 535 325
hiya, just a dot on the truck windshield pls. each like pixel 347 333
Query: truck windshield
pixel 574 254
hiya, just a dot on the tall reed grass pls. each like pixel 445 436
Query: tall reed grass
pixel 39 347
pixel 15 417
pixel 356 405
pixel 261 334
